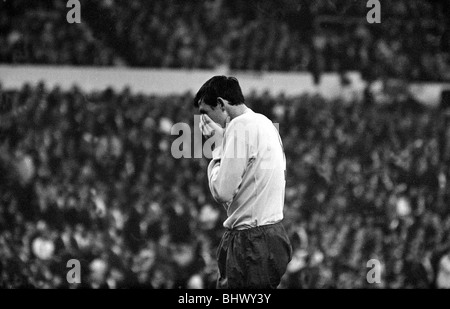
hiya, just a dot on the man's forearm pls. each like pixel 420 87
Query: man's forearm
pixel 225 174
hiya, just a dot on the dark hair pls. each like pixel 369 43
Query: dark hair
pixel 220 86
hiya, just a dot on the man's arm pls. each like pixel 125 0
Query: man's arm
pixel 227 167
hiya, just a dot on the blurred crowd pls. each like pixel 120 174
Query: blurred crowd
pixel 90 176
pixel 411 42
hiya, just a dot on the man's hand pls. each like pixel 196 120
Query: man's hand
pixel 208 127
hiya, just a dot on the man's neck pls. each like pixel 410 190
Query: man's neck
pixel 238 110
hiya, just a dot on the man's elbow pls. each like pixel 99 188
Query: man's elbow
pixel 222 196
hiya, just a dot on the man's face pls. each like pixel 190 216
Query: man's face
pixel 215 113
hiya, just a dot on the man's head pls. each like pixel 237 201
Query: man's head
pixel 218 96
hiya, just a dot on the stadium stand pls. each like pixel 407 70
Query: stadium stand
pixel 366 181
pixel 412 41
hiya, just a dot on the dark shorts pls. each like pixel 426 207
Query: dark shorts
pixel 254 258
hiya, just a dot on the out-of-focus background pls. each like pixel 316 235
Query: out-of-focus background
pixel 86 112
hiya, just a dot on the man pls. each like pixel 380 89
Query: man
pixel 247 176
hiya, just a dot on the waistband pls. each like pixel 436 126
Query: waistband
pixel 254 228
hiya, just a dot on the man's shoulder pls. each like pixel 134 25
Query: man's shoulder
pixel 243 124
pixel 249 119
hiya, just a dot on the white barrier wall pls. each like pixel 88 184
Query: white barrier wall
pixel 166 81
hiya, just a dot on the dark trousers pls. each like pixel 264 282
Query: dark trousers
pixel 254 258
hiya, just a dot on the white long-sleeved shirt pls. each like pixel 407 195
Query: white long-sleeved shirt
pixel 247 172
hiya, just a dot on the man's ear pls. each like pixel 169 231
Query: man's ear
pixel 221 103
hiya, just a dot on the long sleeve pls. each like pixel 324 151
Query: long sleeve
pixel 227 167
